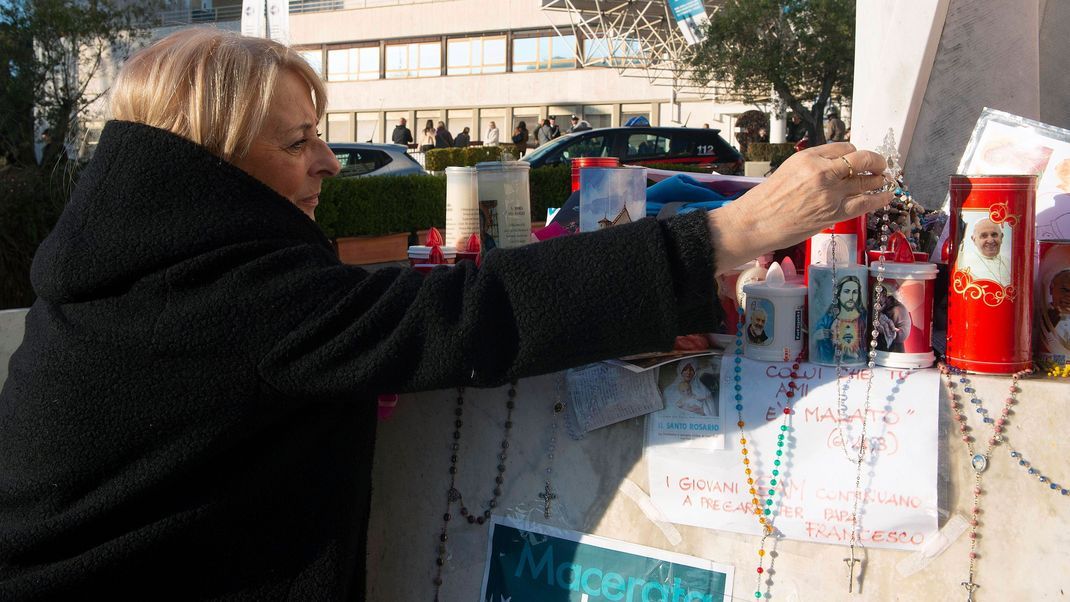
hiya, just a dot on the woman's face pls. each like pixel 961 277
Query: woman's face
pixel 688 372
pixel 288 155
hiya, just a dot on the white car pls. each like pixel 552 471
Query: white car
pixel 370 159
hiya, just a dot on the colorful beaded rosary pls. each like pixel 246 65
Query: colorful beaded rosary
pixel 764 514
pixel 979 462
pixel 454 495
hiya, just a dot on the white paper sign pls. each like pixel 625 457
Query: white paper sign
pixel 816 488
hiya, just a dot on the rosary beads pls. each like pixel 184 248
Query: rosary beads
pixel 454 495
pixel 978 461
pixel 764 511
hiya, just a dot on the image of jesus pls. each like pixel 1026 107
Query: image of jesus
pixel 841 330
pixel 982 256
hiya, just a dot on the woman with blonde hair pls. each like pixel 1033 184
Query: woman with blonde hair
pixel 191 414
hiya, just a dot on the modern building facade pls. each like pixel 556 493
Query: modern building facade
pixel 471 62
pixel 464 62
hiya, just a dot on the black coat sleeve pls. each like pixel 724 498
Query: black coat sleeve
pixel 525 311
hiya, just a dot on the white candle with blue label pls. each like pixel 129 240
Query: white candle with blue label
pixel 773 331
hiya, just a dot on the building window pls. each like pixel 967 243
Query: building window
pixel 368 127
pixel 544 53
pixel 314 58
pixel 611 52
pixel 422 59
pixel 471 56
pixel 339 127
pixel 349 64
pixel 458 119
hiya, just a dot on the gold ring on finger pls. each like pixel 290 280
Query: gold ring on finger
pixel 850 168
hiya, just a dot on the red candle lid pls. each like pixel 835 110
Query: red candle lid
pixel 900 248
pixel 436 257
pixel 472 246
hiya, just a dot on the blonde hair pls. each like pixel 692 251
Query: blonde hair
pixel 209 86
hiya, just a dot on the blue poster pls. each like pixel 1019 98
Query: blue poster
pixel 692 19
pixel 531 562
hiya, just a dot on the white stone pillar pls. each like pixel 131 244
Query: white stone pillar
pixel 927 68
pixel 778 124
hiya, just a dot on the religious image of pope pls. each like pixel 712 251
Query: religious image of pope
pixel 982 256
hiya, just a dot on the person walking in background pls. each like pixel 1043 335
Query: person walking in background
pixel 835 130
pixel 443 138
pixel 493 137
pixel 796 128
pixel 463 139
pixel 544 133
pixel 427 137
pixel 520 138
pixel 401 135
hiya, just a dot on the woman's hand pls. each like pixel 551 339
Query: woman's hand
pixel 812 190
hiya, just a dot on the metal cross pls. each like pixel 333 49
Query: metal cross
pixel 547 497
pixel 851 562
pixel 970 586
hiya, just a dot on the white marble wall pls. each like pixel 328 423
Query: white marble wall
pixel 1025 533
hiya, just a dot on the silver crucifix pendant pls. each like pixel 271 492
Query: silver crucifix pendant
pixel 851 562
pixel 547 497
pixel 970 586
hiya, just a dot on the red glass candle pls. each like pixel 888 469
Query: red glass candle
pixel 581 162
pixel 990 293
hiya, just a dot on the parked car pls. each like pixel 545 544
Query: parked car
pixel 643 145
pixel 369 159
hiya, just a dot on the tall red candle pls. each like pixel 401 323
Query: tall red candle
pixel 990 296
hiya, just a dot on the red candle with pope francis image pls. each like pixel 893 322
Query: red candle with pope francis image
pixel 990 294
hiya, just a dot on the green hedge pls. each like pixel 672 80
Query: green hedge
pixel 550 187
pixel 376 205
pixel 440 158
pixel 30 204
pixel 772 152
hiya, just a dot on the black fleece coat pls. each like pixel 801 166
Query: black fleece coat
pixel 191 413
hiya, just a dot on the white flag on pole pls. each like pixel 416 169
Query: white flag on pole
pixel 279 21
pixel 252 18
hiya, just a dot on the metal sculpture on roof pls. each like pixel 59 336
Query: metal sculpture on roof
pixel 640 38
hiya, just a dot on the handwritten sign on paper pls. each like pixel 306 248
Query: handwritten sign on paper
pixel 816 486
